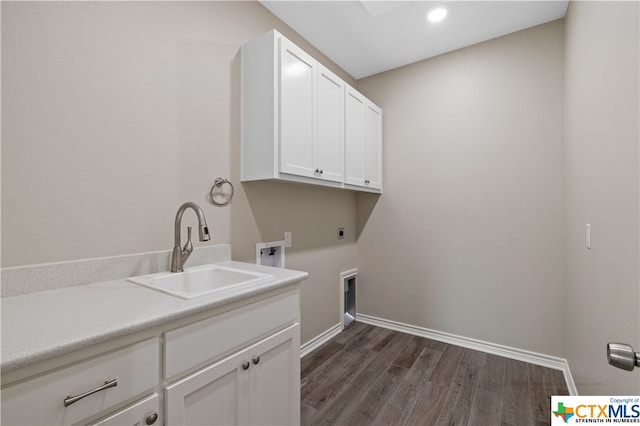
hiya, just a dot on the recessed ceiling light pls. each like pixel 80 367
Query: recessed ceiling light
pixel 437 14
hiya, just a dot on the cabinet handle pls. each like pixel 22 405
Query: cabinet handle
pixel 245 365
pixel 151 418
pixel 321 171
pixel 256 359
pixel 108 384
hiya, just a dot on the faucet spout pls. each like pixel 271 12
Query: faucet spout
pixel 180 255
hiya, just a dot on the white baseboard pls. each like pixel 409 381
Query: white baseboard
pixel 319 340
pixel 571 385
pixel 479 345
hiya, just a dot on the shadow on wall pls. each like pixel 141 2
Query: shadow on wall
pixel 264 210
pixel 313 214
pixel 365 203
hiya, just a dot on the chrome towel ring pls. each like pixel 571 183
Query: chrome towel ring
pixel 217 196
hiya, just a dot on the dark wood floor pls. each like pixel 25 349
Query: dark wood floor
pixel 373 376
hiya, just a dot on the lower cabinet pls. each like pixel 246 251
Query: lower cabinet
pixel 259 385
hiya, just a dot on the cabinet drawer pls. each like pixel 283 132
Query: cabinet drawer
pixel 41 400
pixel 142 412
pixel 197 343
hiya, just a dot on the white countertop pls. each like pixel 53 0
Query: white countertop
pixel 40 326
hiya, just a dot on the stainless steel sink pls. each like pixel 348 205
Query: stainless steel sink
pixel 199 280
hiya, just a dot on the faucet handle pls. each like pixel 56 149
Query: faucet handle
pixel 188 247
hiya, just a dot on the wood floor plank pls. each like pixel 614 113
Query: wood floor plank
pixel 307 386
pixel 492 375
pixel 544 383
pixel 410 391
pixel 486 408
pixel 559 383
pixel 366 410
pixel 390 352
pixel 390 415
pixel 336 362
pixel 343 374
pixel 416 377
pixel 516 398
pixel 307 413
pixel 411 352
pixel 436 345
pixel 462 391
pixel 319 356
pixel 428 408
pixel 346 398
pixel 324 371
pixel 447 366
pixel 352 332
pixel 380 340
pixel 362 338
pixel 541 388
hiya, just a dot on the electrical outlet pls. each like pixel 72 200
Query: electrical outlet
pixel 287 239
pixel 341 233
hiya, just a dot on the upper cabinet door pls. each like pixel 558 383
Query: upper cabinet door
pixel 373 146
pixel 363 141
pixel 297 110
pixel 329 146
pixel 355 138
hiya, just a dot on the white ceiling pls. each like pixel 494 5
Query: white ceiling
pixel 370 36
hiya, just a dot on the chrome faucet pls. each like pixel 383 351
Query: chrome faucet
pixel 180 255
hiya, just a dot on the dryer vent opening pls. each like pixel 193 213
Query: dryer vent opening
pixel 349 300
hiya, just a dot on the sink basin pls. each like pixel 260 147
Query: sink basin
pixel 199 280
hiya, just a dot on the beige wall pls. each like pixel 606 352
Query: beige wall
pixel 602 300
pixel 115 113
pixel 467 238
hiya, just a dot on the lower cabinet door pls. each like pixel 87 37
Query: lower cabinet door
pixel 145 412
pixel 259 385
pixel 215 395
pixel 274 382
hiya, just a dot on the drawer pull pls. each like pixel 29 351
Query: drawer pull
pixel 245 365
pixel 256 359
pixel 108 384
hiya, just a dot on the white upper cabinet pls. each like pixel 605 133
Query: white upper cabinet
pixel 293 119
pixel 363 140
